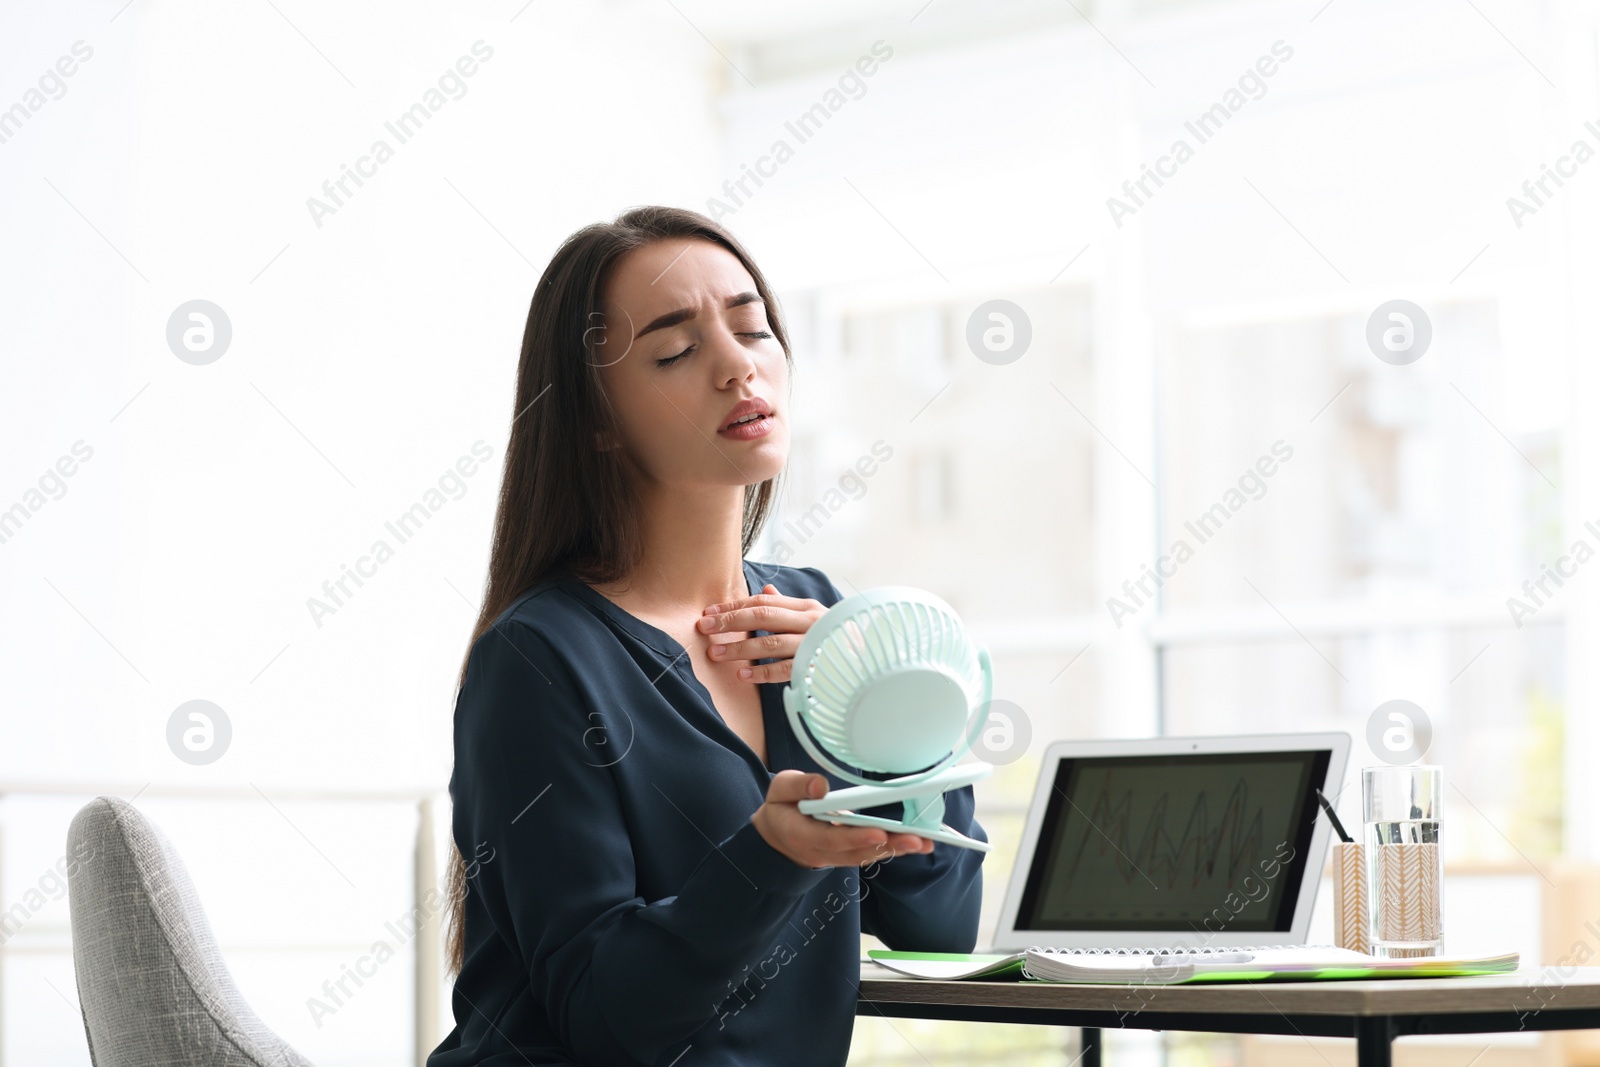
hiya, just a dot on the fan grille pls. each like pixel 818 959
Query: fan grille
pixel 877 641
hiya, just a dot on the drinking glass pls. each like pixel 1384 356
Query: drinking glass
pixel 1400 807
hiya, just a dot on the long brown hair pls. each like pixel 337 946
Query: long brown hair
pixel 565 504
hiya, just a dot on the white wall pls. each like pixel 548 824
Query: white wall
pixel 367 355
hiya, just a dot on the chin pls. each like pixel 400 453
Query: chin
pixel 766 462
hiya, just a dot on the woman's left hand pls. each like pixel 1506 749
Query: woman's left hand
pixel 786 618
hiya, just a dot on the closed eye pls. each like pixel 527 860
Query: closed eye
pixel 759 335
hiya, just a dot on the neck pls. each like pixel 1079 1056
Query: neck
pixel 692 550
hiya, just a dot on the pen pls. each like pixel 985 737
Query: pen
pixel 1337 825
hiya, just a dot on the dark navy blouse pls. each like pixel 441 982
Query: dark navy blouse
pixel 622 909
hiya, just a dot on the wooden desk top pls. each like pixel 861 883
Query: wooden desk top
pixel 1528 990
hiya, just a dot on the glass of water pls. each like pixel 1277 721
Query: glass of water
pixel 1400 807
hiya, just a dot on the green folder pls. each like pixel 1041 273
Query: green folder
pixel 950 966
pixel 1310 963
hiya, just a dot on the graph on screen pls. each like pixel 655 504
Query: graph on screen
pixel 1169 840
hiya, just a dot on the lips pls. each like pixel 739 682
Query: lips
pixel 753 406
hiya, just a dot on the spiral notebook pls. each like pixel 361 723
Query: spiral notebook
pixel 1173 966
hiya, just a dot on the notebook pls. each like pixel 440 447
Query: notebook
pixel 1144 967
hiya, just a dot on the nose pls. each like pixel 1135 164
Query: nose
pixel 734 360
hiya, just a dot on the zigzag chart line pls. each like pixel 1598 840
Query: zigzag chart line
pixel 1186 861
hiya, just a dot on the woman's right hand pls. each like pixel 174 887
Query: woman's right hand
pixel 813 843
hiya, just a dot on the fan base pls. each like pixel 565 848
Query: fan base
pixel 921 799
pixel 942 833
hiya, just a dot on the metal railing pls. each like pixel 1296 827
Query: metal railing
pixel 428 955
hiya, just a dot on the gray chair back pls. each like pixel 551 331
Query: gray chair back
pixel 154 989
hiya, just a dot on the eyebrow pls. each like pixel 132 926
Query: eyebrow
pixel 672 318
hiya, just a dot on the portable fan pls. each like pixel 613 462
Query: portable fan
pixel 887 681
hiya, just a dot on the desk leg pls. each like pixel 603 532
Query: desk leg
pixel 1089 1048
pixel 1374 1036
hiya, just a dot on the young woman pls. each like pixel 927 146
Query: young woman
pixel 631 881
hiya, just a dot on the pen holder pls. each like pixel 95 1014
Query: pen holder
pixel 1351 918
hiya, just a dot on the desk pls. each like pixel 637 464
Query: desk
pixel 1372 1012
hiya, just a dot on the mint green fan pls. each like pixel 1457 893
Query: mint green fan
pixel 887 681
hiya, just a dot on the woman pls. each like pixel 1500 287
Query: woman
pixel 631 880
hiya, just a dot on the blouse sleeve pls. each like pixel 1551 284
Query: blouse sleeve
pixel 622 978
pixel 927 902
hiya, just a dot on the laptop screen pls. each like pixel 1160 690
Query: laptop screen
pixel 1192 842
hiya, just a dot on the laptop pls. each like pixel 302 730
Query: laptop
pixel 1171 845
pixel 1173 842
